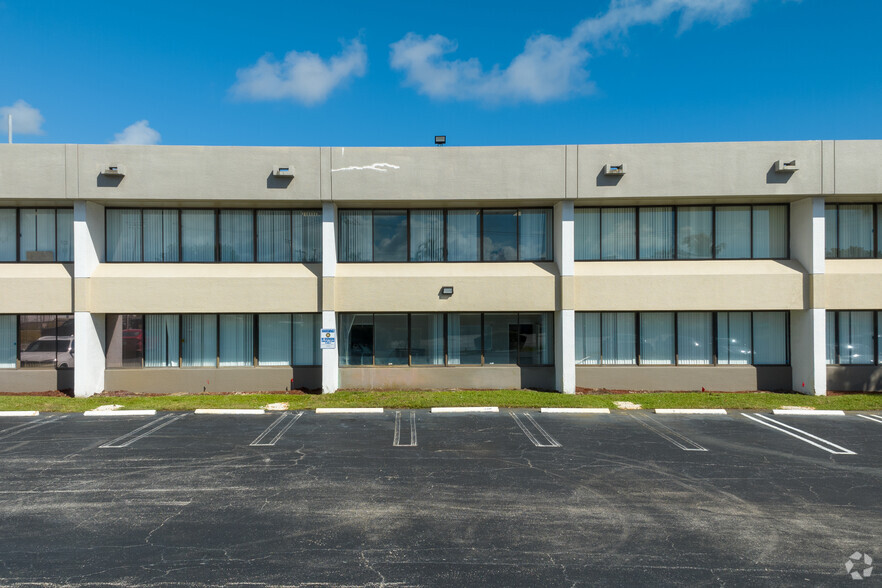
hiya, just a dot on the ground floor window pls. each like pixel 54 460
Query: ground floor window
pixel 36 340
pixel 853 337
pixel 469 338
pixel 212 340
pixel 682 338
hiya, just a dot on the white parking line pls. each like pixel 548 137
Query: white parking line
pixel 148 429
pixel 396 439
pixel 690 411
pixel 827 446
pixel 465 409
pixel 668 434
pixel 872 417
pixel 259 441
pixel 575 410
pixel 807 412
pixel 348 410
pixel 549 440
pixel 17 413
pixel 6 433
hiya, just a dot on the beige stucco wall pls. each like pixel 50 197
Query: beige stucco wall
pixel 853 284
pixel 207 288
pixel 32 171
pixel 35 288
pixel 705 170
pixel 857 169
pixel 195 173
pixel 718 378
pixel 35 380
pixel 448 173
pixel 450 377
pixel 689 285
pixel 415 287
pixel 226 379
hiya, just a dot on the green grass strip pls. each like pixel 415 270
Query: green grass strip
pixel 428 399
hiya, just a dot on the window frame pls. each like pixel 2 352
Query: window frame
pixel 675 251
pixel 18 234
pixel 877 329
pixel 874 226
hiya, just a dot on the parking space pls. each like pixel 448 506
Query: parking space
pixel 408 497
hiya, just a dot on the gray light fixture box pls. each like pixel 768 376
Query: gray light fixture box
pixel 614 169
pixel 783 166
pixel 113 170
pixel 283 172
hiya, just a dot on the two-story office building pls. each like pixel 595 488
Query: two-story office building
pixel 722 266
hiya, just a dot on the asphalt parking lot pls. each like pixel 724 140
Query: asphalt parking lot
pixel 412 498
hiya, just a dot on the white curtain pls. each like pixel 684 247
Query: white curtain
pixel 695 337
pixel 831 336
pixel 618 233
pixel 199 340
pixel 37 226
pixel 855 230
pixel 236 339
pixel 427 235
pixel 733 232
pixel 162 339
pixel 427 338
pixel 64 234
pixel 8 234
pixel 274 339
pixel 463 338
pixel 463 230
pixel 160 235
pixel 274 236
pixel 356 235
pixel 237 235
pixel 770 338
pixel 831 229
pixel 587 234
pixel 657 232
pixel 770 235
pixel 307 235
pixel 618 338
pixel 733 338
pixel 534 234
pixel 588 338
pixel 657 338
pixel 306 339
pixel 123 234
pixel 8 332
pixel 197 235
pixel 694 232
pixel 856 337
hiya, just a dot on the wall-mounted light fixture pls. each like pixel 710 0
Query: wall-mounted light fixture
pixel 614 169
pixel 440 140
pixel 446 290
pixel 783 166
pixel 113 170
pixel 283 172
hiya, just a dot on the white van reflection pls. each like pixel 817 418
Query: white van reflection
pixel 46 351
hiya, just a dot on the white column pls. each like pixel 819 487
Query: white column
pixel 330 357
pixel 565 317
pixel 89 360
pixel 808 334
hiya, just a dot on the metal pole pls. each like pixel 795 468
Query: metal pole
pixel 9 126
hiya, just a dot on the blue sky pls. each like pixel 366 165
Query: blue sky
pixel 481 72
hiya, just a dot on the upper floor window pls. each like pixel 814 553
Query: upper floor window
pixel 435 235
pixel 682 232
pixel 206 235
pixel 36 234
pixel 851 230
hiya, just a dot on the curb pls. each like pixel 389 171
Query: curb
pixel 229 411
pixel 576 410
pixel 348 411
pixel 119 413
pixel 690 411
pixel 465 409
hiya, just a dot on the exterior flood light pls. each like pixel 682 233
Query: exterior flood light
pixel 113 170
pixel 283 172
pixel 440 140
pixel 785 167
pixel 447 290
pixel 614 169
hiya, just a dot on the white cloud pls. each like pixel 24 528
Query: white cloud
pixel 26 120
pixel 549 67
pixel 138 133
pixel 302 77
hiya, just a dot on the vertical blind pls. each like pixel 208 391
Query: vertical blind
pixel 8 336
pixel 161 340
pixel 199 340
pixel 463 230
pixel 236 340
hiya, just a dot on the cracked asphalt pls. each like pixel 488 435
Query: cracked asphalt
pixel 517 498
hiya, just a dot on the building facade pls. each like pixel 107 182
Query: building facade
pixel 720 266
